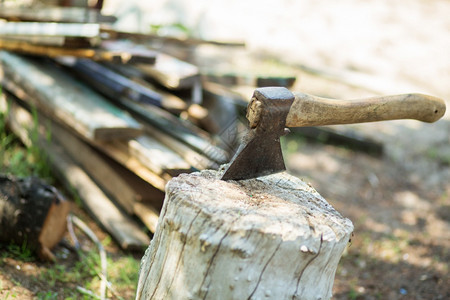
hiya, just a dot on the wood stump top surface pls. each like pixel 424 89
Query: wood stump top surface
pixel 278 203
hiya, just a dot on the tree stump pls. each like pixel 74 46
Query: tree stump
pixel 32 213
pixel 273 237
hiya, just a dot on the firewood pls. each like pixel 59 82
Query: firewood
pixel 32 213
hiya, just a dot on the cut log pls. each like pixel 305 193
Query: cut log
pixel 273 237
pixel 57 94
pixel 32 213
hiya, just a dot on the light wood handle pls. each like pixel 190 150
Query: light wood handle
pixel 308 110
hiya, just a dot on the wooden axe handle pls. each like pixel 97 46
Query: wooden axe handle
pixel 308 110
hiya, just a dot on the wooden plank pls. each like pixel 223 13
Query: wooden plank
pixel 54 14
pixel 66 99
pixel 137 53
pixel 182 130
pixel 58 41
pixel 157 157
pixel 171 72
pixel 169 102
pixel 195 159
pixel 125 231
pixel 54 51
pixel 88 30
pixel 113 83
pixel 158 39
pixel 111 179
pixel 148 215
pixel 167 70
pixel 178 129
pixel 118 150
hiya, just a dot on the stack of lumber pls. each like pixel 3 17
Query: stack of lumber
pixel 117 118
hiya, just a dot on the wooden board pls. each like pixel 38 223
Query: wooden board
pixel 171 72
pixel 159 39
pixel 112 83
pixel 53 14
pixel 58 41
pixel 194 158
pixel 157 157
pixel 125 187
pixel 125 231
pixel 88 30
pixel 67 100
pixel 26 47
pixel 169 102
pixel 118 151
pixel 137 53
pixel 194 137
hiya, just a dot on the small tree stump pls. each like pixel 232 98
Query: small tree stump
pixel 273 237
pixel 32 213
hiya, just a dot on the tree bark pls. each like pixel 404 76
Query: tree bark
pixel 32 213
pixel 273 237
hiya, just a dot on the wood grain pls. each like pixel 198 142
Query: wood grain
pixel 308 110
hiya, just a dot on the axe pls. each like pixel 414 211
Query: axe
pixel 272 109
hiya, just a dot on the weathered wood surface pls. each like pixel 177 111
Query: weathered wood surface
pixel 119 151
pixel 53 14
pixel 171 72
pixel 124 230
pixel 32 213
pixel 88 31
pixel 136 53
pixel 194 158
pixel 57 41
pixel 273 237
pixel 157 157
pixel 26 47
pixel 170 101
pixel 125 187
pixel 112 83
pixel 158 39
pixel 70 102
pixel 309 110
pixel 192 136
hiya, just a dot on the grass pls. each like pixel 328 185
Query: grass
pixel 18 160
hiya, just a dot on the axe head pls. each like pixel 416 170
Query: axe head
pixel 260 151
